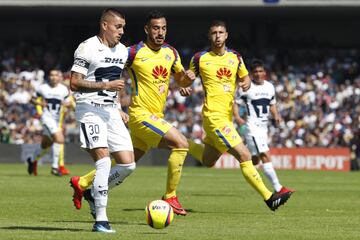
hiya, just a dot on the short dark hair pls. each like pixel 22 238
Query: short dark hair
pixel 111 11
pixel 218 23
pixel 256 63
pixel 155 14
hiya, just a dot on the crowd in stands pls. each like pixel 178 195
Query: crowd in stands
pixel 318 97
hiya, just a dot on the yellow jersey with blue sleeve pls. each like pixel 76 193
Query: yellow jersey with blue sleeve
pixel 150 72
pixel 219 78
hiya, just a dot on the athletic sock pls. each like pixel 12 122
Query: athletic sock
pixel 196 150
pixel 175 164
pixel 86 180
pixel 119 172
pixel 61 155
pixel 55 155
pixel 253 177
pixel 271 175
pixel 100 187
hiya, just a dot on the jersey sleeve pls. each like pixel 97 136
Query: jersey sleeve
pixel 242 71
pixel 194 65
pixel 177 66
pixel 82 58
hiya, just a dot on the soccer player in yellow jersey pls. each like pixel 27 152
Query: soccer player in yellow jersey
pixel 150 65
pixel 221 70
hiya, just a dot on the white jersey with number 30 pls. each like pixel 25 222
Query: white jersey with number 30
pixel 99 63
pixel 258 100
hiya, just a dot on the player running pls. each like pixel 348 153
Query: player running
pixel 260 101
pixel 50 100
pixel 95 80
pixel 150 65
pixel 221 69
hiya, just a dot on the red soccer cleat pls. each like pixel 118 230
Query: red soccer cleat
pixel 78 192
pixel 286 190
pixel 64 171
pixel 175 204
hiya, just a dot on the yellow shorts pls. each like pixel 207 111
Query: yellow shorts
pixel 221 135
pixel 146 130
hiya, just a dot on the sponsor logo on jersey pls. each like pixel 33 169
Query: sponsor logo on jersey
pixel 81 63
pixel 223 73
pixel 113 60
pixel 160 71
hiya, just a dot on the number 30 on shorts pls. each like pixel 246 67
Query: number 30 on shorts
pixel 94 129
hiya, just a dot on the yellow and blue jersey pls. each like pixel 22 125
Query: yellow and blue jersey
pixel 150 72
pixel 219 75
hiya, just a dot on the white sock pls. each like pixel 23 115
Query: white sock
pixel 119 172
pixel 100 187
pixel 55 155
pixel 271 175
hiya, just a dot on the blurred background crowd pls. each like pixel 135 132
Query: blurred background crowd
pixel 318 99
pixel 316 72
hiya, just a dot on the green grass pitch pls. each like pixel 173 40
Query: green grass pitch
pixel 221 206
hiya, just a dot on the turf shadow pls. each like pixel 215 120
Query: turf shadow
pixel 133 209
pixel 44 228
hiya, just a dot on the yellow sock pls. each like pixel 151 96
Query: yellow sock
pixel 61 156
pixel 196 150
pixel 253 177
pixel 175 164
pixel 41 154
pixel 86 180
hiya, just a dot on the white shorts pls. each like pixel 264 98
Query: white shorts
pixel 257 142
pixel 102 126
pixel 50 125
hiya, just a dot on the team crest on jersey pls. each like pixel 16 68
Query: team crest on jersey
pixel 226 130
pixel 167 57
pixel 223 72
pixel 231 62
pixel 160 71
pixel 95 138
pixel 154 118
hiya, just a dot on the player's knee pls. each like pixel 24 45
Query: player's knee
pixel 182 143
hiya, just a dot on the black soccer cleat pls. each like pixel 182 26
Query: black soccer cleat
pixel 277 199
pixel 30 166
pixel 55 172
pixel 91 202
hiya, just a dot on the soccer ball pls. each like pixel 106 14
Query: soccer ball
pixel 159 214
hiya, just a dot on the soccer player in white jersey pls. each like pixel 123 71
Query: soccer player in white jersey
pixel 260 102
pixel 50 98
pixel 95 80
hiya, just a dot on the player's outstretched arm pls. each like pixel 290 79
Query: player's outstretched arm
pixel 184 78
pixel 275 114
pixel 79 84
pixel 244 83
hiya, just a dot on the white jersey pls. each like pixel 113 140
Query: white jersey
pixel 258 100
pixel 54 97
pixel 99 63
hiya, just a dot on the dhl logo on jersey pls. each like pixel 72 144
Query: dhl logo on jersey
pixel 223 72
pixel 160 71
